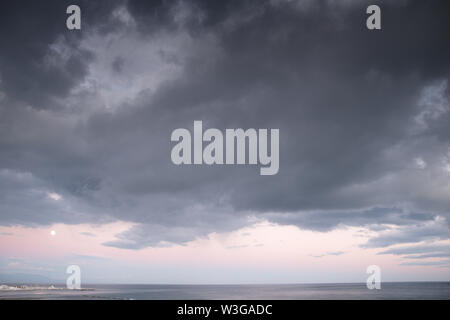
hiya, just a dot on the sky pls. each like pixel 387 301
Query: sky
pixel 86 117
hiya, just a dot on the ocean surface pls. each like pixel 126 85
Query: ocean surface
pixel 353 291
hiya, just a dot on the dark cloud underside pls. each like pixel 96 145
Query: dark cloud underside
pixel 363 115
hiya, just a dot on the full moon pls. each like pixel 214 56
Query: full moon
pixel 53 233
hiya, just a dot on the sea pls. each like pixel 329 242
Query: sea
pixel 337 291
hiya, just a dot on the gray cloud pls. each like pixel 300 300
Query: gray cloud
pixel 334 253
pixel 34 70
pixel 418 249
pixel 85 116
pixel 88 234
pixel 421 251
pixel 444 264
pixel 430 230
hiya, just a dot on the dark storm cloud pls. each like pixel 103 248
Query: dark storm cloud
pixel 282 68
pixel 117 64
pixel 30 73
pixel 355 109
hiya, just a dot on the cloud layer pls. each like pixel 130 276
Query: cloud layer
pixel 363 116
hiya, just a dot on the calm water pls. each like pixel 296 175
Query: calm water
pixel 405 290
